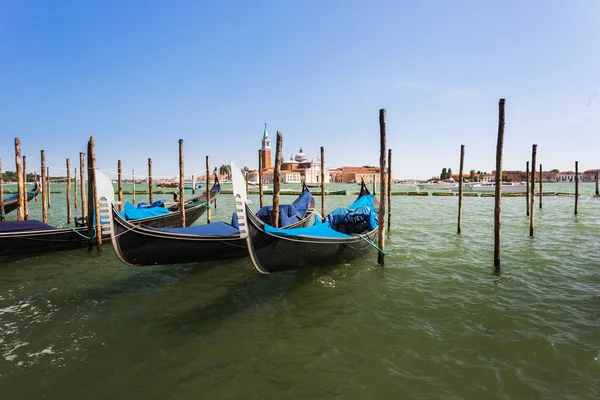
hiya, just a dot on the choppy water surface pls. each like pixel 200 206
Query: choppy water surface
pixel 435 322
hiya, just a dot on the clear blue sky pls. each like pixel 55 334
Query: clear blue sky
pixel 142 74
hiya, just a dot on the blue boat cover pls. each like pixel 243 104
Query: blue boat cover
pixel 24 226
pixel 130 212
pixel 157 203
pixel 303 202
pixel 14 196
pixel 288 214
pixel 220 229
pixel 362 211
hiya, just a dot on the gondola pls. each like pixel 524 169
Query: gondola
pixel 142 245
pixel 344 235
pixel 11 203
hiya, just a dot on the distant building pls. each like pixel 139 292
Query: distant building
pixel 355 174
pixel 266 150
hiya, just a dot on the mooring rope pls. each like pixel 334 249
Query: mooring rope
pixel 369 242
pixel 81 234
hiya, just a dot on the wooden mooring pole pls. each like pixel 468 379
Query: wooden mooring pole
pixel 216 202
pixel 541 185
pixel 261 193
pixel 69 216
pixel 276 182
pixel 374 177
pixel 44 188
pixel 120 185
pixel 498 197
pixel 208 189
pixel 1 193
pixel 527 187
pixel 94 199
pixel 181 184
pixel 20 189
pixel 597 183
pixel 48 186
pixel 389 191
pixel 576 185
pixel 532 189
pixel 382 187
pixel 133 185
pixel 193 185
pixel 75 191
pixel 82 185
pixel 460 187
pixel 35 179
pixel 323 183
pixel 150 190
pixel 25 202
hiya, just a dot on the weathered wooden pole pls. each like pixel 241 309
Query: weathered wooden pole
pixel 75 192
pixel 208 189
pixel 460 187
pixel 261 193
pixel 82 185
pixel 498 196
pixel 181 184
pixel 382 186
pixel 20 189
pixel 69 217
pixel 120 185
pixel 35 179
pixel 1 193
pixel 133 187
pixel 48 186
pixel 193 184
pixel 597 183
pixel 532 188
pixel 576 185
pixel 94 199
pixel 216 202
pixel 25 196
pixel 527 186
pixel 323 183
pixel 389 191
pixel 150 197
pixel 374 177
pixel 276 182
pixel 541 185
pixel 44 188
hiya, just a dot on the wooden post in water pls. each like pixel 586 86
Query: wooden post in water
pixel 323 183
pixel 120 185
pixel 216 202
pixel 68 191
pixel 20 190
pixel 75 192
pixel 261 194
pixel 498 196
pixel 460 187
pixel 1 193
pixel 25 202
pixel 133 185
pixel 541 185
pixel 597 184
pixel 382 188
pixel 150 194
pixel 44 188
pixel 194 185
pixel 527 187
pixel 35 179
pixel 208 189
pixel 374 177
pixel 532 188
pixel 181 184
pixel 576 185
pixel 389 191
pixel 48 186
pixel 82 184
pixel 94 199
pixel 276 182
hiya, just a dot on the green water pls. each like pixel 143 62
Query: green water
pixel 435 322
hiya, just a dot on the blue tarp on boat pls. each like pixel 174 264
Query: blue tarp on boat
pixel 130 212
pixel 14 196
pixel 303 202
pixel 24 226
pixel 220 229
pixel 288 214
pixel 361 214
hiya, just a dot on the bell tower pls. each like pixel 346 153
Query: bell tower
pixel 266 150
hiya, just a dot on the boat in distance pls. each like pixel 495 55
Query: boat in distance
pixel 345 235
pixel 142 245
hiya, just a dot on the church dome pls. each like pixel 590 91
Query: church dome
pixel 300 157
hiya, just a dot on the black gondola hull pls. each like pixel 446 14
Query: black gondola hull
pixel 26 243
pixel 12 204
